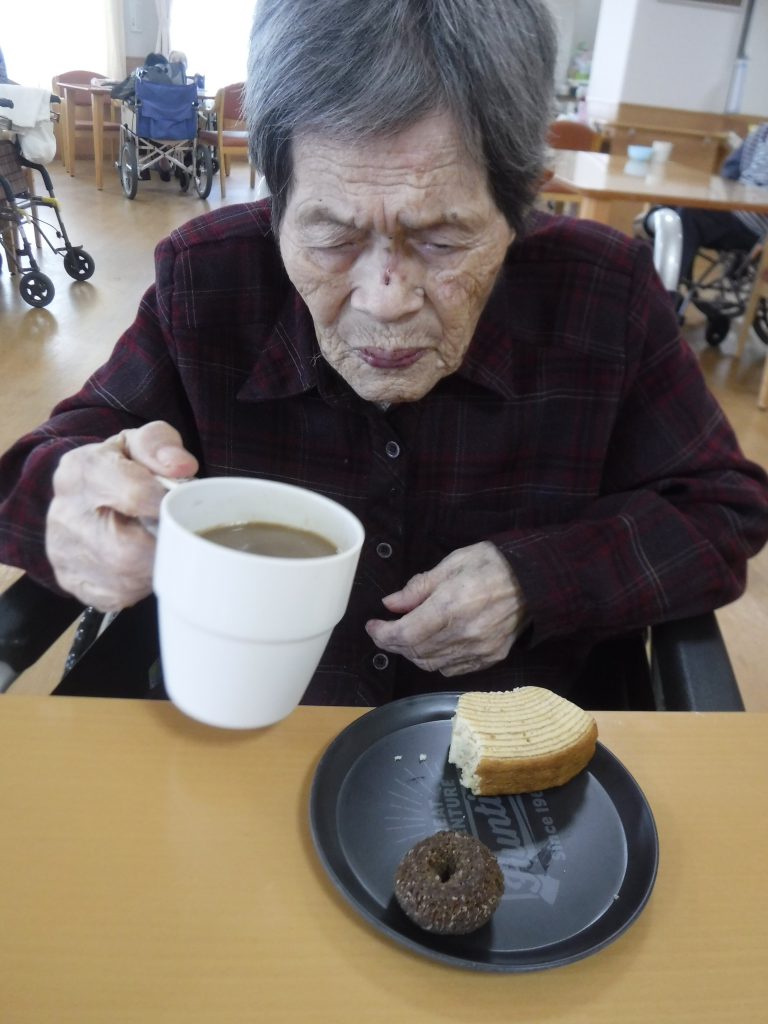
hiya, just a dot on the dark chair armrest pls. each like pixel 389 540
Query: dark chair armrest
pixel 690 667
pixel 31 619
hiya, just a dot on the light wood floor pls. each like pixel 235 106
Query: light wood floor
pixel 46 354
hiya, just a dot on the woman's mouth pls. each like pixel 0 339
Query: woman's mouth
pixel 389 359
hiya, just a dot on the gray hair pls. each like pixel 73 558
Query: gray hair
pixel 358 69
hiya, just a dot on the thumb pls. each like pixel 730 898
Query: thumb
pixel 159 447
pixel 415 592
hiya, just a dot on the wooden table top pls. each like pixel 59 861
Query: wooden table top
pixel 718 135
pixel 153 869
pixel 602 177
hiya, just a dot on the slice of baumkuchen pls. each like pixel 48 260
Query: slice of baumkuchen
pixel 519 741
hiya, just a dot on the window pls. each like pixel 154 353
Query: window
pixel 215 45
pixel 40 42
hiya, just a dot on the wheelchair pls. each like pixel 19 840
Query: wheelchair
pixel 681 665
pixel 160 129
pixel 720 288
pixel 721 292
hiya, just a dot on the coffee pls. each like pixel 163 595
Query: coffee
pixel 273 539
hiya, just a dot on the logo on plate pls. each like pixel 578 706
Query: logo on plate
pixel 520 830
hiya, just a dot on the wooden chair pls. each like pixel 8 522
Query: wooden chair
pixel 83 118
pixel 568 135
pixel 574 135
pixel 759 291
pixel 230 136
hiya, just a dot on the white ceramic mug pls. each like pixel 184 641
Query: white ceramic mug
pixel 661 150
pixel 242 634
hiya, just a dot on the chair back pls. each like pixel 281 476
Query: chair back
pixel 77 78
pixel 230 106
pixel 574 135
pixel 230 135
pixel 167 112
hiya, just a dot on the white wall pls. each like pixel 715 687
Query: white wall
pixel 140 27
pixel 612 52
pixel 672 53
pixel 576 22
pixel 756 88
pixel 585 22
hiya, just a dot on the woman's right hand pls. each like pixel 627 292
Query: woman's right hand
pixel 95 543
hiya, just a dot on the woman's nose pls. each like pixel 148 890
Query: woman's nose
pixel 385 289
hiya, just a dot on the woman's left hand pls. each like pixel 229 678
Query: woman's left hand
pixel 459 617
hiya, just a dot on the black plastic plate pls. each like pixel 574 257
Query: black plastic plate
pixel 579 861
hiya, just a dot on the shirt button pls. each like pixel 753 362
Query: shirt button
pixel 380 661
pixel 384 550
pixel 392 448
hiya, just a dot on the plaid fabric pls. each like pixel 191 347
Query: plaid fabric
pixel 578 435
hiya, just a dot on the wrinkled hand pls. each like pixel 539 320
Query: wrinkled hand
pixel 459 617
pixel 98 549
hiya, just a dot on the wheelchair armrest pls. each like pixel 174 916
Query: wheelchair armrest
pixel 31 619
pixel 690 667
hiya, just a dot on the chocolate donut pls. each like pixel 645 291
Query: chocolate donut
pixel 449 883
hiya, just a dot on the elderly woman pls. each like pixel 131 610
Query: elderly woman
pixel 502 398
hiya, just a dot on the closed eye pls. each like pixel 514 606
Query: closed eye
pixel 430 248
pixel 334 243
pixel 339 248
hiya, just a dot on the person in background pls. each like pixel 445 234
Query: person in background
pixel 502 397
pixel 178 60
pixel 721 229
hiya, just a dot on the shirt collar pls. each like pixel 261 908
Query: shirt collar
pixel 487 361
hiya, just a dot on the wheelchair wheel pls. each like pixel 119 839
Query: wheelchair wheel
pixel 203 170
pixel 717 329
pixel 129 171
pixel 760 323
pixel 79 264
pixel 36 288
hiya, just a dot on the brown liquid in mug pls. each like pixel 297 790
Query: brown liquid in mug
pixel 270 539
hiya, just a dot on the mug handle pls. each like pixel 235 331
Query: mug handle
pixel 149 523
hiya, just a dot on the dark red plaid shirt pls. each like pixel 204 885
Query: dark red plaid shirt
pixel 578 436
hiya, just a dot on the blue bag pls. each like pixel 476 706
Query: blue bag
pixel 167 112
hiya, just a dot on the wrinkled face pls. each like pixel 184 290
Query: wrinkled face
pixel 394 245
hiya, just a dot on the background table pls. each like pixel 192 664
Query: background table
pixel 153 869
pixel 601 179
pixel 698 147
pixel 99 94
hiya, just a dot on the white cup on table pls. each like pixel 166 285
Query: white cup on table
pixel 661 150
pixel 241 634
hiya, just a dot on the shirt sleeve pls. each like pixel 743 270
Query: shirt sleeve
pixel 731 166
pixel 137 384
pixel 679 512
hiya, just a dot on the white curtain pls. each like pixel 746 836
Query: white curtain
pixel 52 36
pixel 214 47
pixel 115 33
pixel 163 41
